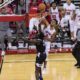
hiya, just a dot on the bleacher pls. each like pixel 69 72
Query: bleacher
pixel 56 46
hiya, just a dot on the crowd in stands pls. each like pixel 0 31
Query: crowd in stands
pixel 63 15
pixel 23 6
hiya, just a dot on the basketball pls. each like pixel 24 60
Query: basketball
pixel 42 7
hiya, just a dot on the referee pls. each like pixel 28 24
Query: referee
pixel 76 49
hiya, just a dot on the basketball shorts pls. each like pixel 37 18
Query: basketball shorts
pixel 40 58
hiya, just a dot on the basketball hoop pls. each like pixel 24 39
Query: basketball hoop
pixel 5 3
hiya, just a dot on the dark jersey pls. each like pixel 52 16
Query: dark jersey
pixel 41 55
pixel 40 44
pixel 78 35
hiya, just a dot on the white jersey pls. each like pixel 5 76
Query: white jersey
pixel 48 32
pixel 64 21
pixel 73 26
pixel 69 9
pixel 75 23
pixel 33 22
pixel 55 14
pixel 78 17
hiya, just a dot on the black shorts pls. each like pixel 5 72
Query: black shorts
pixel 41 57
pixel 76 49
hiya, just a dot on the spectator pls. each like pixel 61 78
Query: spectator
pixel 9 10
pixel 64 20
pixel 39 1
pixel 33 2
pixel 73 26
pixel 6 10
pixel 4 32
pixel 64 23
pixel 3 11
pixel 21 7
pixel 21 31
pixel 75 23
pixel 57 1
pixel 14 6
pixel 54 12
pixel 33 9
pixel 27 6
pixel 48 1
pixel 78 15
pixel 69 7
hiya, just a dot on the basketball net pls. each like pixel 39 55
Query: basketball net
pixel 5 3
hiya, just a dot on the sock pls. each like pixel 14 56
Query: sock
pixel 40 78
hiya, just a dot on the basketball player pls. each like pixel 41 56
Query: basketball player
pixel 69 8
pixel 33 22
pixel 37 39
pixel 54 12
pixel 49 33
pixel 36 21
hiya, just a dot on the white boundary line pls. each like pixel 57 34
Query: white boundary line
pixel 59 59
